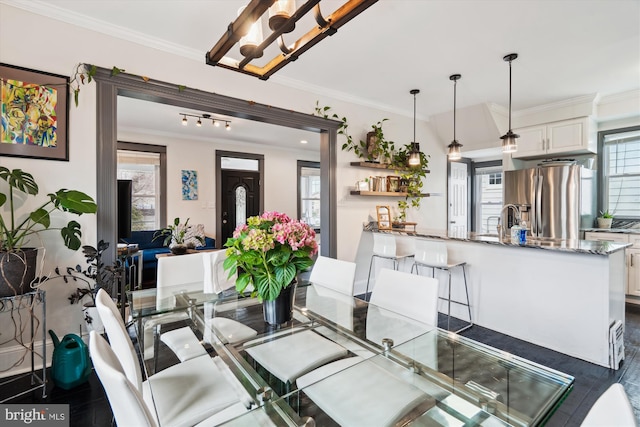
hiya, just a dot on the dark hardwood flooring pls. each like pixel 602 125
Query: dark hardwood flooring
pixel 89 406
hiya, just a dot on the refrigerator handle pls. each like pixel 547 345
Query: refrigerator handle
pixel 538 205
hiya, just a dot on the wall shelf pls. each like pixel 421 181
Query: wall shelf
pixel 383 193
pixel 371 165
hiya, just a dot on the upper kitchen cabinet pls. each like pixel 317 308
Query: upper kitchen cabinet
pixel 565 137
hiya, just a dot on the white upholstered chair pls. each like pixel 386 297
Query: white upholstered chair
pixel 334 274
pixel 433 254
pixel 386 247
pixel 127 403
pixel 611 409
pixel 183 394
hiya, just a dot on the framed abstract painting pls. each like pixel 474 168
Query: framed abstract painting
pixel 189 185
pixel 35 110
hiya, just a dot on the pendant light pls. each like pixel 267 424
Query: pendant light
pixel 414 154
pixel 509 143
pixel 454 147
pixel 249 42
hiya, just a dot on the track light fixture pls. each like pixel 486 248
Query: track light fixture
pixel 454 147
pixel 214 122
pixel 246 31
pixel 414 154
pixel 509 139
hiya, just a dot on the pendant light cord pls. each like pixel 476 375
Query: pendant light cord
pixel 455 83
pixel 414 117
pixel 510 94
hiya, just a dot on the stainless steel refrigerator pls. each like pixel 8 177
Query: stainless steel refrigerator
pixel 548 197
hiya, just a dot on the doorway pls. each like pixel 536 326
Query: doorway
pixel 239 191
pixel 458 173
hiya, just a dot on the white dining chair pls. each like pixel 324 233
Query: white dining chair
pixel 434 255
pixel 183 394
pixel 127 404
pixel 334 274
pixel 386 247
pixel 611 409
pixel 409 295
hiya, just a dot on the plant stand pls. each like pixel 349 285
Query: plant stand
pixel 28 301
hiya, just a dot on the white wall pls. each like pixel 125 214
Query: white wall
pixel 75 45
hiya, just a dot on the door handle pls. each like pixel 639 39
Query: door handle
pixel 224 221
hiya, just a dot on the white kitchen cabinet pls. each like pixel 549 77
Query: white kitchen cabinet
pixel 565 137
pixel 633 259
pixel 632 256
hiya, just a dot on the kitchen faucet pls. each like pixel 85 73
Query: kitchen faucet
pixel 502 230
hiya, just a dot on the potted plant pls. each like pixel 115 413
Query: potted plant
pixel 411 179
pixel 175 236
pixel 94 277
pixel 268 253
pixel 605 219
pixel 17 263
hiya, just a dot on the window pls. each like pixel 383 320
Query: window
pixel 309 193
pixel 619 152
pixel 487 196
pixel 145 170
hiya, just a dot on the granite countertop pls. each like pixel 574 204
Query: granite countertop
pixel 575 246
pixel 614 230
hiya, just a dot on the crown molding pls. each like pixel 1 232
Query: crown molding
pixel 630 95
pixel 584 99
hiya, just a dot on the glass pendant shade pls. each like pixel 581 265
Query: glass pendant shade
pixel 509 142
pixel 454 150
pixel 414 156
pixel 250 42
pixel 279 13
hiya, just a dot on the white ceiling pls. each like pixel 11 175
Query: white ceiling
pixel 567 48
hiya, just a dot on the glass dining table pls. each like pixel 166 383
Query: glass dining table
pixel 393 370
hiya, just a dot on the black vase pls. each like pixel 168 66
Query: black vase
pixel 17 271
pixel 280 310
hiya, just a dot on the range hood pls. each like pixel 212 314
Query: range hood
pixel 478 128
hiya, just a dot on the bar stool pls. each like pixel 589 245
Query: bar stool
pixel 384 246
pixel 433 254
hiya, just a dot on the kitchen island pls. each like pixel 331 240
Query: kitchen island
pixel 559 294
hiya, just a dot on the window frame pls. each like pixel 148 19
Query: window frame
pixel 602 202
pixel 306 164
pixel 159 149
pixel 472 185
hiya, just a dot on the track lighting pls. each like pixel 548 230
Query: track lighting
pixel 214 122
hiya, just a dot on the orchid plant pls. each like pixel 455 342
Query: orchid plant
pixel 269 252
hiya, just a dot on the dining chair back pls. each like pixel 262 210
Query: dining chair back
pixel 407 294
pixel 119 338
pixel 183 271
pixel 611 409
pixel 216 278
pixel 127 403
pixel 333 273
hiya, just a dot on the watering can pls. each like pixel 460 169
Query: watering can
pixel 71 365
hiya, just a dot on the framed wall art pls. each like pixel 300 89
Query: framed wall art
pixel 189 185
pixel 384 217
pixel 34 115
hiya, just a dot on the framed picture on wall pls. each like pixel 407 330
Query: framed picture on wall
pixel 384 217
pixel 393 183
pixel 35 110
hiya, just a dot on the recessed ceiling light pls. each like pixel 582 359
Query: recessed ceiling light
pixel 303 141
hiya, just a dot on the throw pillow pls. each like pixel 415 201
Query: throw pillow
pixel 191 237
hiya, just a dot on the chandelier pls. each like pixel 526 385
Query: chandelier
pixel 214 122
pixel 246 31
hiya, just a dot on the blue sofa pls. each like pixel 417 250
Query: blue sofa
pixel 150 247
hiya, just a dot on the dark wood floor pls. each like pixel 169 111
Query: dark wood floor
pixel 89 407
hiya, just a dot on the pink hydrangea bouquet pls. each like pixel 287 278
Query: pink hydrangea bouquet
pixel 269 252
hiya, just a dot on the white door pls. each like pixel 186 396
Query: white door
pixel 458 209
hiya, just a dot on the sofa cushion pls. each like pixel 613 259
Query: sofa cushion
pixel 145 239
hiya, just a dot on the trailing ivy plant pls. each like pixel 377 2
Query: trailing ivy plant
pixel 382 149
pixel 410 177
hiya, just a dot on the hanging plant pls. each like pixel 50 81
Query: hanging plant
pixel 411 179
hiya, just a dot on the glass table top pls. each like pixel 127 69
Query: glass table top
pixel 391 370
